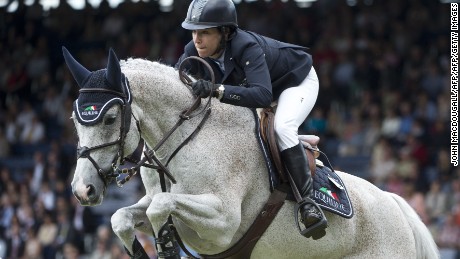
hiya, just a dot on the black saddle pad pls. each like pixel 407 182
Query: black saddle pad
pixel 330 193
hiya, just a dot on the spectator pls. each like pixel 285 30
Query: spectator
pixel 391 123
pixel 117 251
pixel 418 150
pixel 395 184
pixel 103 243
pixel 11 128
pixel 7 212
pixel 4 144
pixel 371 135
pixel 453 199
pixel 425 108
pixel 449 235
pixel 25 115
pixel 71 251
pixel 406 167
pixel 33 132
pixel 47 233
pixel 407 119
pixel 5 179
pixel 66 233
pixel 432 80
pixel 25 214
pixel 435 203
pixel 33 247
pixel 46 196
pixel 14 242
pixel 383 162
pixel 315 124
pixel 17 82
pixel 444 169
pixel 417 200
pixel 38 172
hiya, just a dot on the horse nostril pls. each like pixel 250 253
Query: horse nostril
pixel 76 196
pixel 91 191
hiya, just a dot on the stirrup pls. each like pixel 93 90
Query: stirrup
pixel 317 230
pixel 167 242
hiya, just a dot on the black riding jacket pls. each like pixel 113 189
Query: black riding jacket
pixel 257 68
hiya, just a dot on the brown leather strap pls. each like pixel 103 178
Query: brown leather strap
pixel 268 135
pixel 185 78
pixel 243 248
pixel 311 161
pixel 267 131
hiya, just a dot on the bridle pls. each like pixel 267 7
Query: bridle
pixel 126 114
pixel 150 159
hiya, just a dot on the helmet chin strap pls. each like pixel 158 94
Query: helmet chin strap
pixel 223 41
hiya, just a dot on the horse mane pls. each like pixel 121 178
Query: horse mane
pixel 144 64
pixel 147 76
pixel 150 74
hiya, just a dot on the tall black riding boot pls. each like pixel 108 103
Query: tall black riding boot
pixel 138 251
pixel 296 162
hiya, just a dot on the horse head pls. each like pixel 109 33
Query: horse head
pixel 102 116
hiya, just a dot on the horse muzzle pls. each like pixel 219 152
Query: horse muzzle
pixel 87 195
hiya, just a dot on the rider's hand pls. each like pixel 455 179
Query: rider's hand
pixel 203 88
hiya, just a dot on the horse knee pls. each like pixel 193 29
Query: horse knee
pixel 122 223
pixel 161 206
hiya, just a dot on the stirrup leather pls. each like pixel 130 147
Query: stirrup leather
pixel 318 229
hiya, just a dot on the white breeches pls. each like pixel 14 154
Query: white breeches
pixel 294 105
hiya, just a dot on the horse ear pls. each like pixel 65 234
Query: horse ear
pixel 113 74
pixel 79 72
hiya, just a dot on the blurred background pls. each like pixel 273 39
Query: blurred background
pixel 383 111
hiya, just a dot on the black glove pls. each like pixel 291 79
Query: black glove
pixel 203 88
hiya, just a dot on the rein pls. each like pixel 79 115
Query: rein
pixel 150 154
pixel 115 172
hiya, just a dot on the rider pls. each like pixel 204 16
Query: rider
pixel 252 71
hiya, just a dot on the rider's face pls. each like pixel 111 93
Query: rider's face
pixel 206 42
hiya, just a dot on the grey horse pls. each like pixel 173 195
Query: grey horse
pixel 221 176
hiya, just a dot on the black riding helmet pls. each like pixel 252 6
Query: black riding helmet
pixel 203 14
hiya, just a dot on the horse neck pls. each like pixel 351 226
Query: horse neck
pixel 158 97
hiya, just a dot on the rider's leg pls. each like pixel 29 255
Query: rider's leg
pixel 294 105
pixel 296 162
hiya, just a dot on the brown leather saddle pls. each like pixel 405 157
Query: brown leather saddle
pixel 267 133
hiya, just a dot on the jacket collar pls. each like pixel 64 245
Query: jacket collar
pixel 228 61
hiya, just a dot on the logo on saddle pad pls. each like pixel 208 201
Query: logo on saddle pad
pixel 330 193
pixel 328 197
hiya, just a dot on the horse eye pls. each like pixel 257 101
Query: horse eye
pixel 109 120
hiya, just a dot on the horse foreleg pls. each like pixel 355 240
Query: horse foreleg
pixel 126 220
pixel 213 222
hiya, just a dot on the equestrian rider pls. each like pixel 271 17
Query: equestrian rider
pixel 252 71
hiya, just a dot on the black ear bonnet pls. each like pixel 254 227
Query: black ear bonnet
pixel 90 107
pixel 100 90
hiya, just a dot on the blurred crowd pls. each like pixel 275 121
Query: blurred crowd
pixel 383 106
